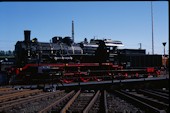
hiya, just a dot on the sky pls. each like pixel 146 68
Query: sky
pixel 129 22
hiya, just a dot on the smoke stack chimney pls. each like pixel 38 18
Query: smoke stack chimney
pixel 73 31
pixel 27 35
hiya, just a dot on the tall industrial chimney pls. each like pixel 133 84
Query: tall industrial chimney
pixel 73 31
pixel 27 35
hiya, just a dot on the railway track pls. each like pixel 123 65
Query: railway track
pixel 79 101
pixel 85 101
pixel 17 95
pixel 6 89
pixel 10 92
pixel 31 103
pixel 146 100
pixel 116 104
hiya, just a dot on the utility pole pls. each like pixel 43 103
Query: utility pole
pixel 152 29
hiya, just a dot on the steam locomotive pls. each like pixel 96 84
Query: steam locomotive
pixel 62 60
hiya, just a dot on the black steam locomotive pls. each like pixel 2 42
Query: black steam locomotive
pixel 66 61
pixel 63 50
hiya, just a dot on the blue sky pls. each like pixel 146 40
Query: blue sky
pixel 129 22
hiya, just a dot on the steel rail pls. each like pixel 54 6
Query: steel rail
pixel 48 108
pixel 22 94
pixel 159 93
pixel 147 100
pixel 28 100
pixel 156 96
pixel 65 108
pixel 105 102
pixel 163 91
pixel 6 89
pixel 139 103
pixel 11 92
pixel 86 110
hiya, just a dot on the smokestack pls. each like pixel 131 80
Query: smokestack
pixel 73 31
pixel 27 35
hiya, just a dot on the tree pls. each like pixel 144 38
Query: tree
pixel 9 53
pixel 2 53
pixel 6 53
